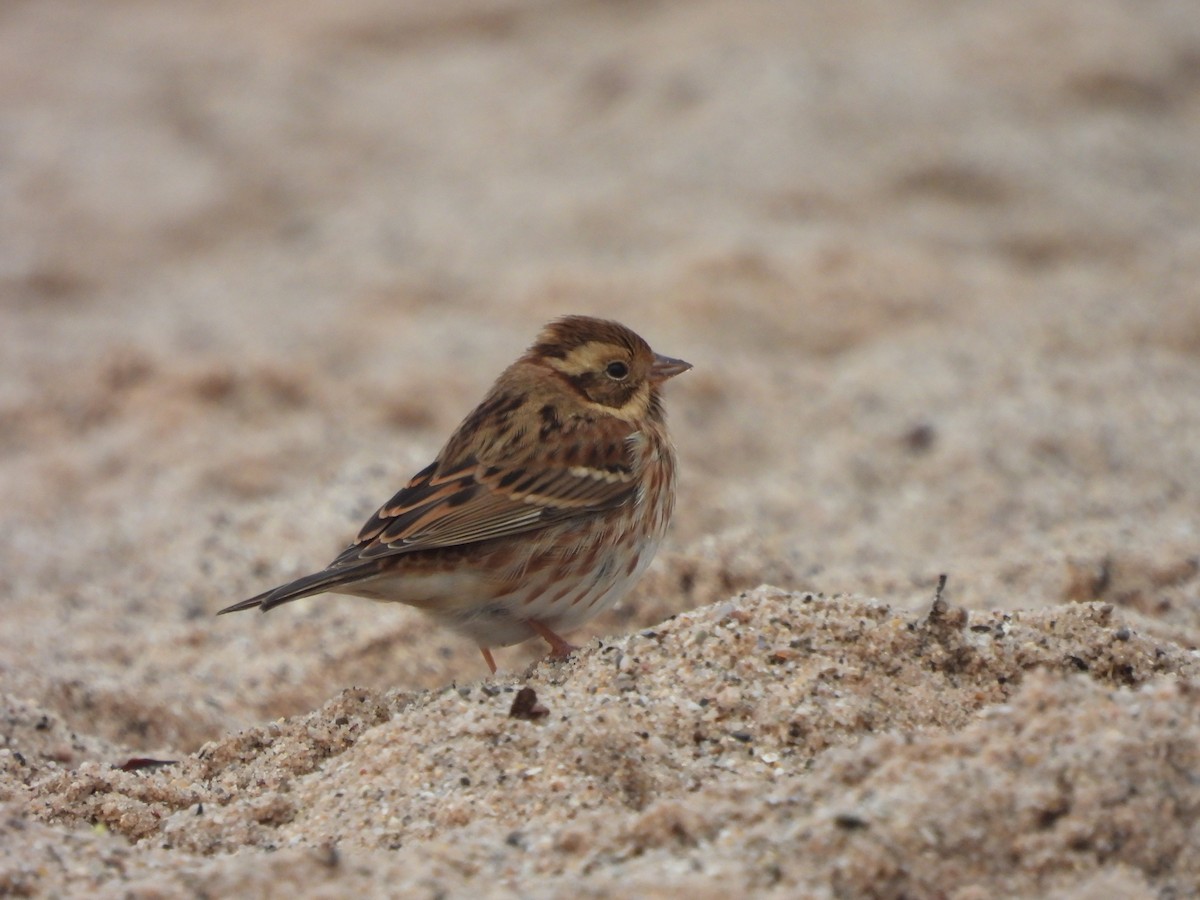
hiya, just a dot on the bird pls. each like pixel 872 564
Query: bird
pixel 543 508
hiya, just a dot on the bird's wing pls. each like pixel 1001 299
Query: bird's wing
pixel 447 504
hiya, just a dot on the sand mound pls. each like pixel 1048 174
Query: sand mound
pixel 826 744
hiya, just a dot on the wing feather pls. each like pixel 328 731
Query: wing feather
pixel 452 503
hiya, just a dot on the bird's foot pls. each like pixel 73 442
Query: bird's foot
pixel 559 648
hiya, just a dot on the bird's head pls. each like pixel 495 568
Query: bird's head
pixel 603 363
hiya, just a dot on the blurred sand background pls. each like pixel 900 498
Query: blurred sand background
pixel 938 268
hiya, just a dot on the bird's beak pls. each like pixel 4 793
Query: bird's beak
pixel 664 367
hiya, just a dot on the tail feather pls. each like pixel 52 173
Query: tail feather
pixel 317 583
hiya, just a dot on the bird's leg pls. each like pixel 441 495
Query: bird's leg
pixel 487 658
pixel 559 648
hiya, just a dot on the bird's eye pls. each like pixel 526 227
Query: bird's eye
pixel 616 370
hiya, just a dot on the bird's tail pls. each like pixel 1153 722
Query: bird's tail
pixel 317 583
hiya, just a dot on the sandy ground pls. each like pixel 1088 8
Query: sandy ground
pixel 938 268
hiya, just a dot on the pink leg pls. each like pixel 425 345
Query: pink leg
pixel 487 658
pixel 559 648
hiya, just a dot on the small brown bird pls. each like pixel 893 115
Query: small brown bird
pixel 542 510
